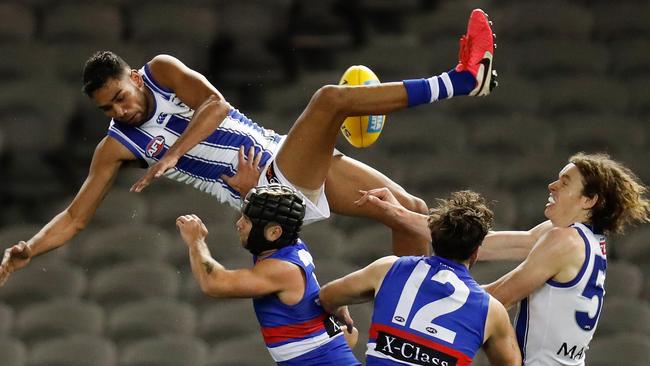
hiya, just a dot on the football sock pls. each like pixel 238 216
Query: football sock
pixel 444 86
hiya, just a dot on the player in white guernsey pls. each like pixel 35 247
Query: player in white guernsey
pixel 560 283
pixel 171 118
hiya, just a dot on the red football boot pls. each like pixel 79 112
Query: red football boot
pixel 476 53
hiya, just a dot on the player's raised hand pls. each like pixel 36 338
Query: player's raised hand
pixel 155 171
pixel 248 171
pixel 381 197
pixel 192 229
pixel 14 258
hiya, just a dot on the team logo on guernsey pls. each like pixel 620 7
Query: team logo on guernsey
pixel 155 146
pixel 161 118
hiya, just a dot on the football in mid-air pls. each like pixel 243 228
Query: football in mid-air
pixel 361 131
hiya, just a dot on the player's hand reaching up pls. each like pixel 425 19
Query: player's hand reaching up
pixel 248 172
pixel 155 171
pixel 192 229
pixel 15 258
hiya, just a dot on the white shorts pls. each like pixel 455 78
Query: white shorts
pixel 314 211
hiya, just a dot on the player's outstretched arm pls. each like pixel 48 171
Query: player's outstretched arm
pixel 193 89
pixel 266 277
pixel 355 288
pixel 552 254
pixel 511 245
pixel 107 159
pixel 397 217
pixel 500 341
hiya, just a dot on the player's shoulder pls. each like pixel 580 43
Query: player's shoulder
pixel 165 68
pixel 559 241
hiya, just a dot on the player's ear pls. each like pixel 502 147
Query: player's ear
pixel 135 76
pixel 272 232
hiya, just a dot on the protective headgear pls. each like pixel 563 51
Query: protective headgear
pixel 274 203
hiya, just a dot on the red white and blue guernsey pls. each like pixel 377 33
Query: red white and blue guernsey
pixel 555 324
pixel 203 165
pixel 301 334
pixel 428 311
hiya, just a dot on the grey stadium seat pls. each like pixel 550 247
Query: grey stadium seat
pixel 244 350
pixel 79 350
pixel 6 319
pixel 83 22
pixel 120 244
pixel 13 351
pixel 171 350
pixel 134 281
pixel 224 319
pixel 149 318
pixel 42 281
pixel 59 318
pixel 624 316
pixel 619 350
pixel 17 23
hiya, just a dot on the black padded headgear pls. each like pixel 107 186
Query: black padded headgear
pixel 274 203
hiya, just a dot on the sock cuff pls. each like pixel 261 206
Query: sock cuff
pixel 418 91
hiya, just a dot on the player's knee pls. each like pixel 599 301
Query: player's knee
pixel 331 97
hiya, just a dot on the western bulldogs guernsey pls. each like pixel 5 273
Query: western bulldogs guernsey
pixel 301 334
pixel 204 164
pixel 555 324
pixel 428 311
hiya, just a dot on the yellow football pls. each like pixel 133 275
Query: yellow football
pixel 361 131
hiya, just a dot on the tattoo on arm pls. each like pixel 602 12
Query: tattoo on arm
pixel 208 267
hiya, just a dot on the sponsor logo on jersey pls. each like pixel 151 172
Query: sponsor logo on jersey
pixel 155 146
pixel 333 326
pixel 573 352
pixel 161 118
pixel 412 352
pixel 270 174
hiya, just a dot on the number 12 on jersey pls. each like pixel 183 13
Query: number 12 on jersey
pixel 423 320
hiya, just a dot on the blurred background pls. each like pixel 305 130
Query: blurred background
pixel 573 76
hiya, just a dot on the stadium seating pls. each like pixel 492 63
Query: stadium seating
pixel 150 318
pixel 133 281
pixel 624 280
pixel 572 76
pixel 218 322
pixel 237 351
pixel 623 316
pixel 77 350
pixel 83 22
pixel 18 23
pixel 621 349
pixel 42 281
pixel 13 351
pixel 59 318
pixel 6 319
pixel 169 350
pixel 122 243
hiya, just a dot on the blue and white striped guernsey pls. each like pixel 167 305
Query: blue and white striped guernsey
pixel 204 164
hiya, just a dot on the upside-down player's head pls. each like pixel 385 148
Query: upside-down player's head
pixel 271 218
pixel 458 225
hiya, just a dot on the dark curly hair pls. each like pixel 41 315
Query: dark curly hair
pixel 99 68
pixel 459 224
pixel 621 195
